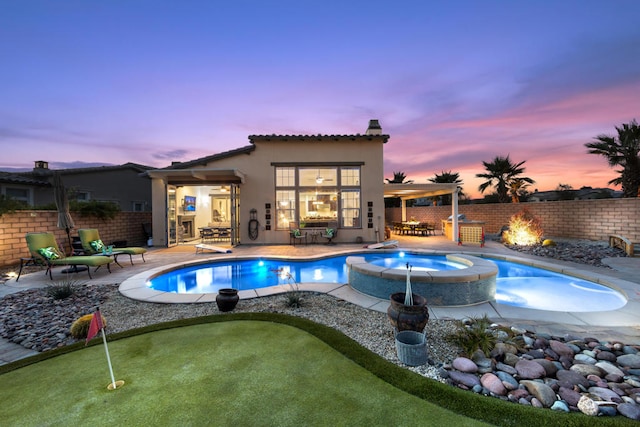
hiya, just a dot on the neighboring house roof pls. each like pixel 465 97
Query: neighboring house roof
pixel 15 178
pixel 136 167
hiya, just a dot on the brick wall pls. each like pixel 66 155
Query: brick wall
pixel 13 227
pixel 580 219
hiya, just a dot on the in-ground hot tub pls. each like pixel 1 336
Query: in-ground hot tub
pixel 473 284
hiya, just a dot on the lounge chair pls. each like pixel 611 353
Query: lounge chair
pixel 92 245
pixel 44 250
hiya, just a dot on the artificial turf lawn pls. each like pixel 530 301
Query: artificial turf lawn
pixel 179 377
pixel 229 373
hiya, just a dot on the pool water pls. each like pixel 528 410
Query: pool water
pixel 516 284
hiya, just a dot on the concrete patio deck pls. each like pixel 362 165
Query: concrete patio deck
pixel 622 324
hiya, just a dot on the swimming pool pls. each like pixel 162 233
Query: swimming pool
pixel 516 284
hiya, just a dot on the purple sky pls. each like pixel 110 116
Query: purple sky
pixel 453 82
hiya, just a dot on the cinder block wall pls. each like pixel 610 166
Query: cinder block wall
pixel 579 219
pixel 13 227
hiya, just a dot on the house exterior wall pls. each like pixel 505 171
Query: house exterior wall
pixel 258 190
pixel 579 219
pixel 13 227
pixel 259 187
pixel 121 186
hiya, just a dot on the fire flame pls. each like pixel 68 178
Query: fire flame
pixel 524 229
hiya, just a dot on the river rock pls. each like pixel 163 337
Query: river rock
pixel 586 370
pixel 583 358
pixel 569 395
pixel 529 370
pixel 606 355
pixel 463 364
pixel 506 368
pixel 559 405
pixel 548 366
pixel 605 394
pixel 629 360
pixel 492 383
pixel 569 379
pixel 630 410
pixel 468 380
pixel 508 381
pixel 588 406
pixel 542 392
pixel 561 348
pixel 610 368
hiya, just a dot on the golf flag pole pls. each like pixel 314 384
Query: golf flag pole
pixel 95 326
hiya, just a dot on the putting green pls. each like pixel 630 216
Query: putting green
pixel 224 373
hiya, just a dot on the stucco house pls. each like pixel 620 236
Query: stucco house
pixel 258 193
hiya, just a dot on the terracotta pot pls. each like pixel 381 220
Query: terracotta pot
pixel 227 299
pixel 408 317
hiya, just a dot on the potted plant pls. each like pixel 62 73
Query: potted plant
pixel 408 311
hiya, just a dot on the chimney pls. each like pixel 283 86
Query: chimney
pixel 41 168
pixel 374 128
pixel 41 164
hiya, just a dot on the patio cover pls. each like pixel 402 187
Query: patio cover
pixel 415 191
pixel 198 176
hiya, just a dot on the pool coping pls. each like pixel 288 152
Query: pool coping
pixel 626 316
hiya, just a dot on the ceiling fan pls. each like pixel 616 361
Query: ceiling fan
pixel 320 179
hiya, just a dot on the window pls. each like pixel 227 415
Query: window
pixel 316 196
pixel 285 208
pixel 137 206
pixel 19 194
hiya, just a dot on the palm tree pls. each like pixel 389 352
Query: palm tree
pixel 517 189
pixel 399 178
pixel 622 151
pixel 501 172
pixel 446 178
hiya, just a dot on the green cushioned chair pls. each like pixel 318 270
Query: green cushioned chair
pixel 90 238
pixel 44 249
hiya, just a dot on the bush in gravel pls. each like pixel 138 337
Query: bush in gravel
pixel 62 290
pixel 473 334
pixel 80 328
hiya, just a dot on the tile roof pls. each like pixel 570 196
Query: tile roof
pixel 309 138
pixel 205 160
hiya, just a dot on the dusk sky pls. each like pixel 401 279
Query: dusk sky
pixel 453 82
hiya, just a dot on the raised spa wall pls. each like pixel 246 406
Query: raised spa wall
pixel 472 285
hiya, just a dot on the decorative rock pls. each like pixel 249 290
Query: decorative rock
pixel 511 359
pixel 492 383
pixel 508 381
pixel 559 405
pixel 529 370
pixel 463 364
pixel 629 360
pixel 569 379
pixel 542 392
pixel 506 368
pixel 627 349
pixel 633 381
pixel 569 395
pixel 583 358
pixel 518 394
pixel 610 368
pixel 549 368
pixel 536 403
pixel 535 354
pixel 561 348
pixel 607 411
pixel 586 370
pixel 502 349
pixel 469 380
pixel 630 410
pixel 606 355
pixel 588 406
pixel 605 394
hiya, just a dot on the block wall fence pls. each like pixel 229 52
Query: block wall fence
pixel 577 219
pixel 13 227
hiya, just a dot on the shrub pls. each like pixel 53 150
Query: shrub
pixel 474 334
pixel 292 298
pixel 80 328
pixel 61 290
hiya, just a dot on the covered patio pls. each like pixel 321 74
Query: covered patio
pixel 415 191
